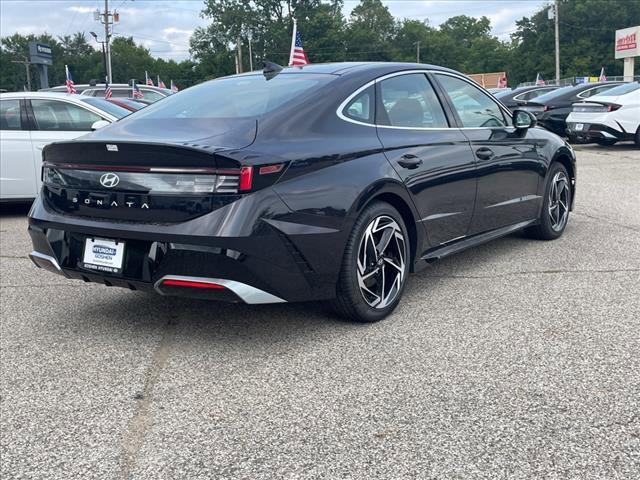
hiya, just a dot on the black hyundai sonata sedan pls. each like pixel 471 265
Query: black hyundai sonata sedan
pixel 324 182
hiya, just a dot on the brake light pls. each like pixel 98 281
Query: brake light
pixel 246 178
pixel 191 284
pixel 271 169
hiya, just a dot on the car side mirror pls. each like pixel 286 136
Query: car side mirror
pixel 99 124
pixel 523 119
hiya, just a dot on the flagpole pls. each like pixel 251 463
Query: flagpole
pixel 293 40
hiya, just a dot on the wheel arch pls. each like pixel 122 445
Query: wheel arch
pixel 395 195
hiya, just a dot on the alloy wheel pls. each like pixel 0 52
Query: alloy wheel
pixel 381 262
pixel 559 201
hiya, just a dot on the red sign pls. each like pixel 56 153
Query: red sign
pixel 628 42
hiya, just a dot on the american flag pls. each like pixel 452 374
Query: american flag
pixel 161 83
pixel 502 82
pixel 108 93
pixel 149 81
pixel 137 93
pixel 602 77
pixel 539 80
pixel 71 87
pixel 174 87
pixel 297 57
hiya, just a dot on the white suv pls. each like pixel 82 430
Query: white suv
pixel 608 117
pixel 31 120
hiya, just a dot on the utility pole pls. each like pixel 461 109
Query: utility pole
pixel 26 64
pixel 239 53
pixel 417 44
pixel 555 15
pixel 107 19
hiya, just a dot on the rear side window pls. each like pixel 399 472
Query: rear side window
pixel 54 115
pixel 410 101
pixel 361 108
pixel 475 108
pixel 595 91
pixel 10 115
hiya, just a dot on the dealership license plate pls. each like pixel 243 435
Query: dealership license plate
pixel 103 255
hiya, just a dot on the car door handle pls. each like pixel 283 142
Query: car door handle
pixel 410 161
pixel 484 153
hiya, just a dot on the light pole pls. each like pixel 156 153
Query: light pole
pixel 104 56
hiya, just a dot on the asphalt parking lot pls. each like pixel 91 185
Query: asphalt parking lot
pixel 517 359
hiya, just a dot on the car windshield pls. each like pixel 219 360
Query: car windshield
pixel 234 97
pixel 108 107
pixel 620 90
pixel 553 94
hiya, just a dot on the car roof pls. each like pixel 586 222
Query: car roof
pixel 343 68
pixel 41 94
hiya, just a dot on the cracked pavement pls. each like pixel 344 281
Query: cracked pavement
pixel 517 359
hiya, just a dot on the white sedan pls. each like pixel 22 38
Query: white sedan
pixel 608 117
pixel 31 120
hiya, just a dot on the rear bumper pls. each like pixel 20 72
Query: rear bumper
pixel 242 248
pixel 591 131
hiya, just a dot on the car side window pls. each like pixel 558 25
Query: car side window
pixel 475 108
pixel 410 101
pixel 59 115
pixel 361 107
pixel 10 115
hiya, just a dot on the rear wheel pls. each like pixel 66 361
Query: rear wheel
pixel 637 137
pixel 375 265
pixel 555 208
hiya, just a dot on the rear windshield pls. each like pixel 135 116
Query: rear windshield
pixel 620 90
pixel 553 94
pixel 234 97
pixel 106 106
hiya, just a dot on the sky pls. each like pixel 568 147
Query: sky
pixel 164 26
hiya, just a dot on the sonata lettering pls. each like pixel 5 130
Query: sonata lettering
pixel 114 203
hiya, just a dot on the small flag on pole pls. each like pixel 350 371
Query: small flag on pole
pixel 539 80
pixel 297 57
pixel 137 93
pixel 71 87
pixel 603 77
pixel 161 83
pixel 174 87
pixel 149 81
pixel 108 93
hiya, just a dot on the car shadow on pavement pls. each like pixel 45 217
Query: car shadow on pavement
pixel 18 209
pixel 218 322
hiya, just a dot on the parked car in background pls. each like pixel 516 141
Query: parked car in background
pixel 553 108
pixel 127 103
pixel 31 120
pixel 150 93
pixel 522 95
pixel 497 90
pixel 608 117
pixel 323 182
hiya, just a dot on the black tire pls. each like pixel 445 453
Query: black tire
pixel 545 229
pixel 637 137
pixel 606 142
pixel 350 301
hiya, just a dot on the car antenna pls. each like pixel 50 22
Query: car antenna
pixel 270 69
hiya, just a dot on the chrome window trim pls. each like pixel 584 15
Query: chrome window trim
pixel 343 105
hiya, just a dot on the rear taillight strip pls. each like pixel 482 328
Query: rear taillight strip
pixel 138 169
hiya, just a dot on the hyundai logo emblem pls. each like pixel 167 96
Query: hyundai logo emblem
pixel 109 180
